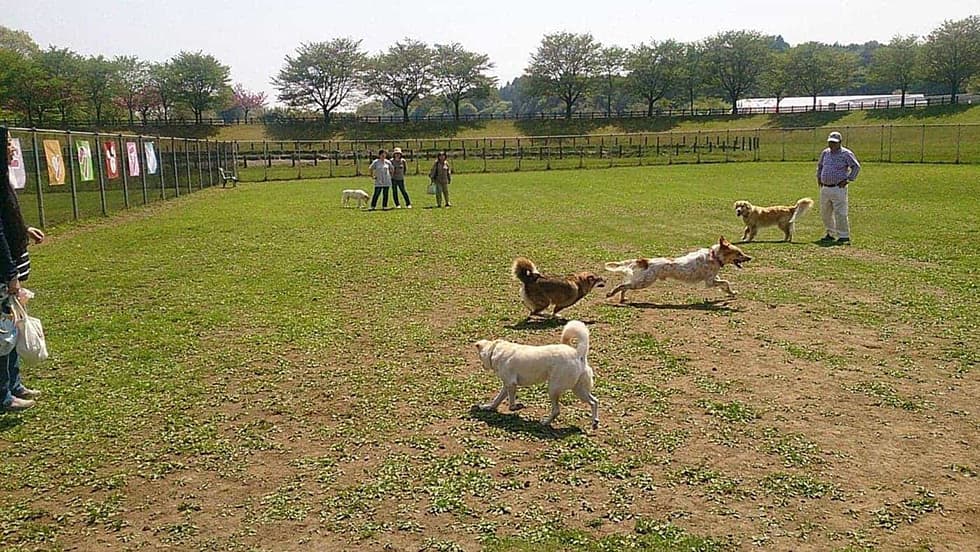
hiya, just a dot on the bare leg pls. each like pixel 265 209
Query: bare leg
pixel 492 405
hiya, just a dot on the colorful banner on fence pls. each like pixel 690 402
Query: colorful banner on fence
pixel 133 158
pixel 111 159
pixel 16 174
pixel 151 158
pixel 56 163
pixel 85 160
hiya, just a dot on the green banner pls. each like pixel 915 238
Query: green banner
pixel 85 160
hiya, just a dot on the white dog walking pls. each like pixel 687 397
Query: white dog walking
pixel 564 366
pixel 358 195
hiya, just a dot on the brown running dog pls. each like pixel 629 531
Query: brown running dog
pixel 539 291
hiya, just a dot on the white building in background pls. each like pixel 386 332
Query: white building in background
pixel 829 103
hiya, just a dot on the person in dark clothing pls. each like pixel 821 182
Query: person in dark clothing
pixel 15 267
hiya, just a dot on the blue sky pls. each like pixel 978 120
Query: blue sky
pixel 252 37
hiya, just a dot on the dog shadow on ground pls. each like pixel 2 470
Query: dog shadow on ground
pixel 713 305
pixel 514 423
pixel 548 323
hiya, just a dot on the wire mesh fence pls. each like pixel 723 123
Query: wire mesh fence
pixel 291 160
pixel 64 176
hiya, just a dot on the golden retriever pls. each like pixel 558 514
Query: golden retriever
pixel 782 216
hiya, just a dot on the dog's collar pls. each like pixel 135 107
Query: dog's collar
pixel 714 257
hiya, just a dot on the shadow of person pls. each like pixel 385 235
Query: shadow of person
pixel 514 423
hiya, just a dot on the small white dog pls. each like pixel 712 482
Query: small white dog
pixel 358 195
pixel 563 366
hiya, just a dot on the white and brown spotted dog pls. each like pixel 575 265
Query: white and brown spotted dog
pixel 782 216
pixel 702 265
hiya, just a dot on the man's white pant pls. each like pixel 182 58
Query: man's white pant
pixel 833 209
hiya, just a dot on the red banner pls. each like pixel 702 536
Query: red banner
pixel 111 159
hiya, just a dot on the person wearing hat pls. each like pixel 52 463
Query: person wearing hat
pixel 836 169
pixel 398 168
pixel 441 175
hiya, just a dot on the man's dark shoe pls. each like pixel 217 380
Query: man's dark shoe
pixel 827 239
pixel 844 241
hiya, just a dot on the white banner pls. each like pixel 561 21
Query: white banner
pixel 151 158
pixel 17 174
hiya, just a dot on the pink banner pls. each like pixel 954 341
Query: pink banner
pixel 133 158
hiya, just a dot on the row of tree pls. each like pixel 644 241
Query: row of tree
pixel 567 72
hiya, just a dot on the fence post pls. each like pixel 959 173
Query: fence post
pixel 485 154
pixel 141 155
pixel 234 157
pixel 922 144
pixel 200 169
pixel 37 179
pixel 98 149
pixel 890 136
pixel 357 166
pixel 724 148
pixel 187 165
pixel 299 174
pixel 124 169
pixel 881 145
pixel 173 152
pixel 158 151
pixel 207 151
pixel 697 150
pixel 959 129
pixel 71 174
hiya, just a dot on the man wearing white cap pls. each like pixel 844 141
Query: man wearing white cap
pixel 836 169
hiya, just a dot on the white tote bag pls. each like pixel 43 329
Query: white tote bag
pixel 31 347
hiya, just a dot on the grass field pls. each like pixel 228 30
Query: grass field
pixel 259 369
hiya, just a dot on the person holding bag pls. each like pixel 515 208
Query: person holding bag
pixel 441 175
pixel 15 267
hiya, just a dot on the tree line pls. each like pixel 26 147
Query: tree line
pixel 568 72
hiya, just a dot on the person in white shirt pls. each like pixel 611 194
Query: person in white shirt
pixel 381 169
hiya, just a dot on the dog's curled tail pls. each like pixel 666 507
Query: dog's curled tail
pixel 802 206
pixel 575 331
pixel 620 266
pixel 524 270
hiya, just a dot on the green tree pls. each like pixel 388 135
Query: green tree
pixel 816 68
pixel 691 75
pixel 776 81
pixel 202 81
pixel 63 72
pixel 23 86
pixel 18 41
pixel 401 75
pixel 321 74
pixel 461 75
pixel 564 67
pixel 133 80
pixel 654 70
pixel 735 61
pixel 896 64
pixel 952 53
pixel 612 65
pixel 100 83
pixel 162 90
